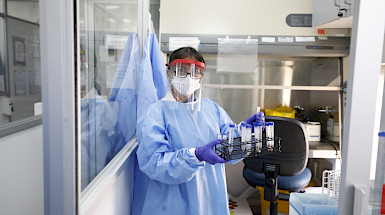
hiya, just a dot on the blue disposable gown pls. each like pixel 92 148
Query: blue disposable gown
pixel 98 123
pixel 174 181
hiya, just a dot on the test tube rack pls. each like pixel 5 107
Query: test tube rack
pixel 239 149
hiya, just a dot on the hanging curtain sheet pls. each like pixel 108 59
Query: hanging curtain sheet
pixel 123 95
pixel 153 83
pixel 237 55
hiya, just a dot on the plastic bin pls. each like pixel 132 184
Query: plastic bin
pixel 310 203
pixel 281 111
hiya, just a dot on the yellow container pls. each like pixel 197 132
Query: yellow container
pixel 282 111
pixel 283 206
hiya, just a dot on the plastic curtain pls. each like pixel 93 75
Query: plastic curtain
pixel 237 55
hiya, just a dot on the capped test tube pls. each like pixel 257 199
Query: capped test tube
pixel 270 134
pixel 248 138
pixel 248 133
pixel 219 147
pixel 258 134
pixel 243 135
pixel 243 131
pixel 231 133
pixel 231 137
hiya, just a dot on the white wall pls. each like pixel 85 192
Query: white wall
pixel 21 168
pixel 115 198
pixel 242 17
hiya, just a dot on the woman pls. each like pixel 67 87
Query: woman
pixel 182 173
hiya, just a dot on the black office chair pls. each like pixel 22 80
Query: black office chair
pixel 287 167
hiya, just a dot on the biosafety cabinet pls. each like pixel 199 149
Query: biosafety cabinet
pixel 297 65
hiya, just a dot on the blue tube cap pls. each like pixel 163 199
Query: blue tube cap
pixel 248 126
pixel 232 125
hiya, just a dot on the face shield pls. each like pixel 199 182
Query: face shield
pixel 186 78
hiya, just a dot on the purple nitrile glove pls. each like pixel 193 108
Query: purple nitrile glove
pixel 260 117
pixel 207 153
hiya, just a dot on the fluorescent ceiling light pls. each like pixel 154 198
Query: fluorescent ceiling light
pixel 112 7
pixel 111 20
pixel 127 20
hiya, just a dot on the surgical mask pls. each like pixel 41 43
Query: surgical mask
pixel 186 86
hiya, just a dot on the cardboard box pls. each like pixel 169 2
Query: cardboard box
pixel 313 130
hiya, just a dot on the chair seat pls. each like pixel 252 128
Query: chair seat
pixel 290 183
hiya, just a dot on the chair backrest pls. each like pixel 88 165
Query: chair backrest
pixel 294 148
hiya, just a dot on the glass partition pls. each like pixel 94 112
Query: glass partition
pixel 3 56
pixel 26 10
pixel 108 44
pixel 20 87
pixel 1 6
pixel 24 69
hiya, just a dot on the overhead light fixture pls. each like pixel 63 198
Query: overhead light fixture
pixel 112 7
pixel 111 20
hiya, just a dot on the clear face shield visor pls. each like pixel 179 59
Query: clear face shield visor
pixel 186 78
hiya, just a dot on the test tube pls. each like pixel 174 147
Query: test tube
pixel 224 137
pixel 243 135
pixel 248 133
pixel 270 134
pixel 231 137
pixel 243 131
pixel 248 138
pixel 231 133
pixel 219 147
pixel 258 134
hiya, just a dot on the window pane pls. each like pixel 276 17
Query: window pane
pixel 155 16
pixel 2 56
pixel 105 27
pixel 20 86
pixel 1 6
pixel 27 10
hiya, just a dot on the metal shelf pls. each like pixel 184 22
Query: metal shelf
pixel 324 150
